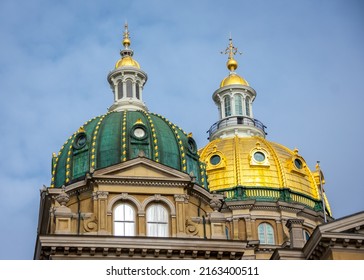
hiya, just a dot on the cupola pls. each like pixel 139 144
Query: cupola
pixel 127 80
pixel 234 100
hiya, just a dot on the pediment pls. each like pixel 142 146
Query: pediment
pixel 349 224
pixel 141 168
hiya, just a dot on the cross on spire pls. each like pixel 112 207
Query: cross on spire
pixel 231 50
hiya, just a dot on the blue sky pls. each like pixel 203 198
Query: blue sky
pixel 305 59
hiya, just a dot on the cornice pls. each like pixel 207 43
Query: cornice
pixel 111 247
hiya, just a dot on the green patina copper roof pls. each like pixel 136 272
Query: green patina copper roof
pixel 119 136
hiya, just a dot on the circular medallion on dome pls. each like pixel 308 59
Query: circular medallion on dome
pixel 298 163
pixel 215 159
pixel 139 132
pixel 259 156
pixel 80 141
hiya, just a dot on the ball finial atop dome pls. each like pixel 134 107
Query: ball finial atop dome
pixel 232 65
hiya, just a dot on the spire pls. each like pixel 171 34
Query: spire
pixel 231 64
pixel 126 43
pixel 126 53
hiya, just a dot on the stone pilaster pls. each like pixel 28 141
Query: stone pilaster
pixel 280 234
pixel 180 201
pixel 248 226
pixel 100 198
pixel 235 230
pixel 296 232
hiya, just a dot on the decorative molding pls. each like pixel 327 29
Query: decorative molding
pixel 158 198
pixel 124 197
pixel 181 198
pixel 100 195
pixel 191 228
pixel 99 247
pixel 138 182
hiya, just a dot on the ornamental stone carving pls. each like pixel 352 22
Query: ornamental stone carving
pixel 100 195
pixel 181 198
pixel 191 228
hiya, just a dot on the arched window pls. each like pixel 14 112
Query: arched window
pixel 157 220
pixel 266 234
pixel 247 106
pixel 129 88
pixel 227 106
pixel 120 90
pixel 124 220
pixel 238 105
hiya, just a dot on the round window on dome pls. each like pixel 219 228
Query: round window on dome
pixel 298 163
pixel 192 145
pixel 80 141
pixel 215 159
pixel 139 132
pixel 259 156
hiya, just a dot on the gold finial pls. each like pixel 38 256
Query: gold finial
pixel 126 41
pixel 318 166
pixel 81 129
pixel 139 121
pixel 231 64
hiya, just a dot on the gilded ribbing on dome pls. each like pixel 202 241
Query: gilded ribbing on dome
pixel 123 138
pixel 154 137
pixel 68 162
pixel 237 166
pixel 56 160
pixel 179 141
pixel 94 141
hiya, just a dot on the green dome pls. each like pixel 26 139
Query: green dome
pixel 119 136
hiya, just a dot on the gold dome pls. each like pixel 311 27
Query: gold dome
pixel 233 79
pixel 256 163
pixel 127 61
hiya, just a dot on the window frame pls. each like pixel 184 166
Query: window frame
pixel 263 231
pixel 125 221
pixel 159 225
